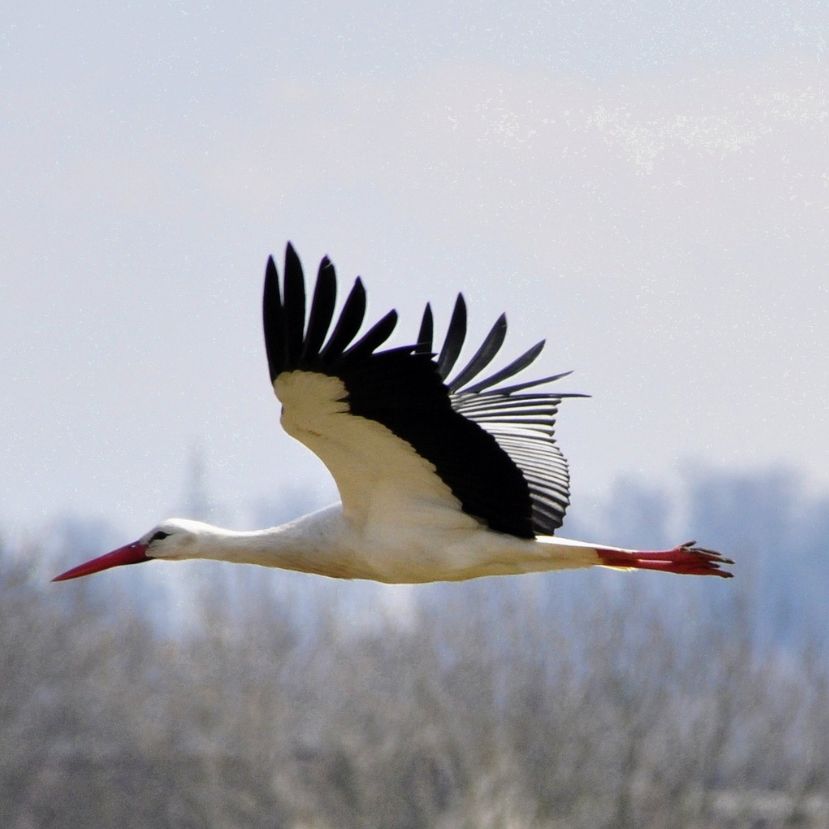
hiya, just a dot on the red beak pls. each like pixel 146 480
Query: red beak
pixel 131 554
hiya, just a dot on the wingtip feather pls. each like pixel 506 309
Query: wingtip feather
pixel 425 335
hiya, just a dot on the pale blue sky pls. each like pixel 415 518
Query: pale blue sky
pixel 646 186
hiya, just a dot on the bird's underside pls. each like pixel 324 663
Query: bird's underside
pixel 444 474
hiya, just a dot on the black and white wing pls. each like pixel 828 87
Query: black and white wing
pixel 402 445
pixel 520 418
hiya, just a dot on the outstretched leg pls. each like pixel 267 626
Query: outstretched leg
pixel 686 559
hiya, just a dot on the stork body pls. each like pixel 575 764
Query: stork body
pixel 327 544
pixel 442 478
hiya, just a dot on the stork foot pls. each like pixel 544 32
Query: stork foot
pixel 686 559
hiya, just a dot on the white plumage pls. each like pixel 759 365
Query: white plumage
pixel 440 477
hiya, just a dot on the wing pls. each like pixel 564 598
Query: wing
pixel 400 443
pixel 521 419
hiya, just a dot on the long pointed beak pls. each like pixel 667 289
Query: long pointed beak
pixel 130 554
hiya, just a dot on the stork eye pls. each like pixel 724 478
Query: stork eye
pixel 158 535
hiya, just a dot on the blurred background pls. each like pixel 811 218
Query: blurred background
pixel 646 186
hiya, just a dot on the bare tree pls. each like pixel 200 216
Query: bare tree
pixel 533 702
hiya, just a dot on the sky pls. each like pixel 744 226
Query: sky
pixel 645 185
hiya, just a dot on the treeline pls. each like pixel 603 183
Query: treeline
pixel 553 701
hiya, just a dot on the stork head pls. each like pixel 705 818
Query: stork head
pixel 175 538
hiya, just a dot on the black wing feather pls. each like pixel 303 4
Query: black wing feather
pixel 427 330
pixel 528 384
pixel 484 355
pixel 294 305
pixel 351 318
pixel 513 368
pixel 372 339
pixel 273 321
pixel 455 336
pixel 322 308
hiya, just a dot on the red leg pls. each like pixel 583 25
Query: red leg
pixel 685 559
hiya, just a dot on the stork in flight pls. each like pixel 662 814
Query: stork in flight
pixel 443 475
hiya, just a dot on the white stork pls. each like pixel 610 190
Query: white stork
pixel 442 476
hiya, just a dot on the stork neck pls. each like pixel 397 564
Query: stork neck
pixel 306 545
